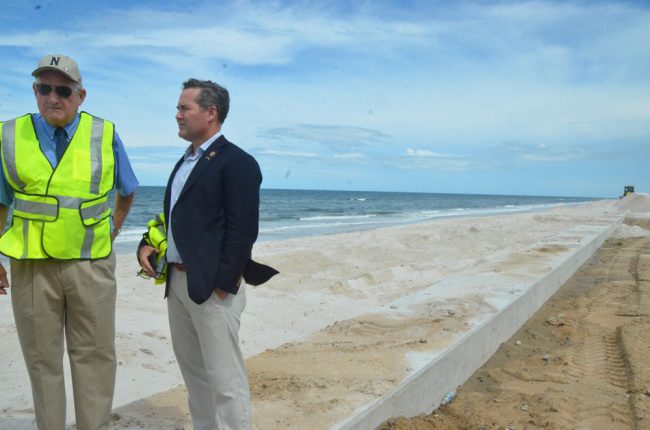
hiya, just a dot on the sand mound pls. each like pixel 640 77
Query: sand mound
pixel 625 231
pixel 635 202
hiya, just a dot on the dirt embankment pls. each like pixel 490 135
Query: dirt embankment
pixel 581 362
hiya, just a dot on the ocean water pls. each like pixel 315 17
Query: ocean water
pixel 288 214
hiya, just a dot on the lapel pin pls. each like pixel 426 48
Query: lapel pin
pixel 210 155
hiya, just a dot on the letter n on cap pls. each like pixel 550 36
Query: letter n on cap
pixel 55 61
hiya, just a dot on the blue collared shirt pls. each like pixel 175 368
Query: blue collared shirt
pixel 183 172
pixel 126 182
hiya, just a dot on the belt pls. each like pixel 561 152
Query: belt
pixel 179 266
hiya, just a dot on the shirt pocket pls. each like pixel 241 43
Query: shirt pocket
pixel 82 165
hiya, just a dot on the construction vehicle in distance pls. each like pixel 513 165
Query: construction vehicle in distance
pixel 628 189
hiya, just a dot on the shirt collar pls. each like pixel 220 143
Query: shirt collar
pixel 50 129
pixel 204 146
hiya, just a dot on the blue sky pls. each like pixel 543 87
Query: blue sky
pixel 489 97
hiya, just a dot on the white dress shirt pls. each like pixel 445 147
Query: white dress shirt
pixel 183 172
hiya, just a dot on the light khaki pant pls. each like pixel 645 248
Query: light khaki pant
pixel 51 297
pixel 206 344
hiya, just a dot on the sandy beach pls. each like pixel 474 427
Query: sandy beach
pixel 580 363
pixel 316 343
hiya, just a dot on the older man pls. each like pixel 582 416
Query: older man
pixel 58 167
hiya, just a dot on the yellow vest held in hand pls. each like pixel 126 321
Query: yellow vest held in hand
pixel 156 236
pixel 60 213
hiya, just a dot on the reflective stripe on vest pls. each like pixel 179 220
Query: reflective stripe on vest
pixel 9 151
pixel 46 208
pixel 39 208
pixel 94 211
pixel 96 135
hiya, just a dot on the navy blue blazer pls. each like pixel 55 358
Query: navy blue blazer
pixel 215 219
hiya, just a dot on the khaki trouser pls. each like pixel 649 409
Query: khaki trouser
pixel 206 343
pixel 50 297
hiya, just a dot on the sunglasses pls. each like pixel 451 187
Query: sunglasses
pixel 60 90
pixel 144 275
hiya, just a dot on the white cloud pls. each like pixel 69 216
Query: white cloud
pixel 350 155
pixel 541 152
pixel 422 153
pixel 436 164
pixel 289 154
pixel 329 135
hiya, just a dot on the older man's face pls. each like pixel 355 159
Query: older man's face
pixel 55 109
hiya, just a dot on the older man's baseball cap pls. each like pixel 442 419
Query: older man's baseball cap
pixel 59 63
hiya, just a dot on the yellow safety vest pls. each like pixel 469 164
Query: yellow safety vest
pixel 60 213
pixel 156 236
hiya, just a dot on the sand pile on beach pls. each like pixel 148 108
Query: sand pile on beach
pixel 308 321
pixel 636 203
